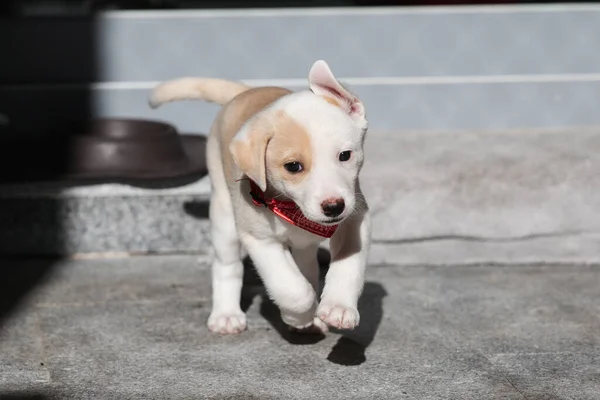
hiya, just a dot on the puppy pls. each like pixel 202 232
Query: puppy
pixel 284 169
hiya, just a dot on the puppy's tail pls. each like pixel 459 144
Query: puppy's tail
pixel 218 91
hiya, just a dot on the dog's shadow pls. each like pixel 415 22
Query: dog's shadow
pixel 351 346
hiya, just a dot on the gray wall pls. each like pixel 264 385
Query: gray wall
pixel 437 68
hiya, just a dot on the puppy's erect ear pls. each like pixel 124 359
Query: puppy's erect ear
pixel 323 83
pixel 248 149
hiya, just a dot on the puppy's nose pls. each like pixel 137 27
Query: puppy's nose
pixel 333 207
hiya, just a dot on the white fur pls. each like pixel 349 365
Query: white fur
pixel 285 255
pixel 331 131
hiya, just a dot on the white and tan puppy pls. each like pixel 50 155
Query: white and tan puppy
pixel 300 154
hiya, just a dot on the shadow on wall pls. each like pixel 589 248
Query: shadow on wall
pixel 48 134
pixel 35 121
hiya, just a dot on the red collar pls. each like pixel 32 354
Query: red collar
pixel 289 211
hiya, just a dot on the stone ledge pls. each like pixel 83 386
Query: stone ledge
pixel 482 192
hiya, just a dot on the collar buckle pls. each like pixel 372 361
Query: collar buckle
pixel 257 200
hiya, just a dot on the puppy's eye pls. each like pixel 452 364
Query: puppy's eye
pixel 345 155
pixel 294 167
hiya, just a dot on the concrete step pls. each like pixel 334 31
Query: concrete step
pixel 136 327
pixel 464 196
pixel 54 218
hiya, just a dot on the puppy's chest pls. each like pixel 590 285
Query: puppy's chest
pixel 289 234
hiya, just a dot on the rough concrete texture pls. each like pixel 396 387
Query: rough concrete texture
pixel 484 185
pixel 135 328
pixel 493 194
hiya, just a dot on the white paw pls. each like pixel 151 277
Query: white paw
pixel 315 328
pixel 298 320
pixel 227 323
pixel 337 316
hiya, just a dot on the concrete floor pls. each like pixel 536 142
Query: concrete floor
pixel 135 328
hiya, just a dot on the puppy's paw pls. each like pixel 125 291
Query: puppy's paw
pixel 298 321
pixel 338 316
pixel 227 323
pixel 317 327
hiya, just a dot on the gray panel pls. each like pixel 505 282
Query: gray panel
pixel 157 46
pixel 355 45
pixel 369 45
pixel 389 107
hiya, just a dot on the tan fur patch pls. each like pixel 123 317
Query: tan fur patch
pixel 291 143
pixel 235 114
pixel 249 154
pixel 331 100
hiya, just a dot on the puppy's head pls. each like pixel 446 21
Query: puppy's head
pixel 308 147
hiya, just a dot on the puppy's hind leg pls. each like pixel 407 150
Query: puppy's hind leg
pixel 227 270
pixel 227 316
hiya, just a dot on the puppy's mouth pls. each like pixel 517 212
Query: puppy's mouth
pixel 331 221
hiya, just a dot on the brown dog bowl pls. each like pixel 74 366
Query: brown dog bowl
pixel 106 150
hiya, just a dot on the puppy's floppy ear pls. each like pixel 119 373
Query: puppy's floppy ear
pixel 323 83
pixel 248 149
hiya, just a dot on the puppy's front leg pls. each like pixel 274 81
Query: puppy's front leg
pixel 285 284
pixel 345 279
pixel 307 262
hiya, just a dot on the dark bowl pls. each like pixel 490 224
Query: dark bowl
pixel 105 149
